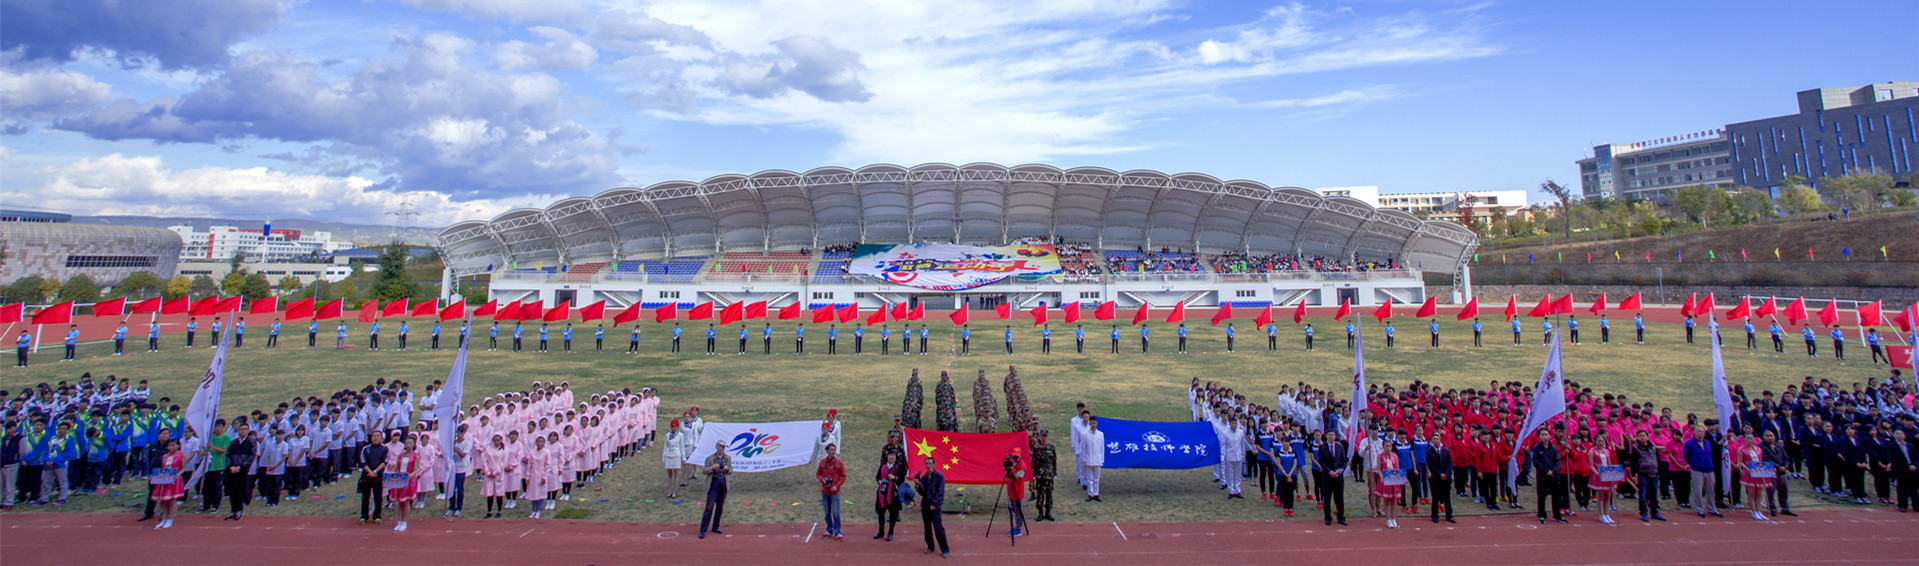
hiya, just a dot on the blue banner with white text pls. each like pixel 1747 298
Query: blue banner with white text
pixel 1159 445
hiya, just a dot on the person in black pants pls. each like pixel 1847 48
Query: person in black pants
pixel 932 488
pixel 1904 460
pixel 1439 475
pixel 372 471
pixel 240 456
pixel 1544 458
pixel 717 467
pixel 1329 476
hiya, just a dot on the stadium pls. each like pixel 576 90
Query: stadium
pixel 1135 238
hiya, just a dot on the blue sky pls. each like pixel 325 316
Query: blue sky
pixel 342 109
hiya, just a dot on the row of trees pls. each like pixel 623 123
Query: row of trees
pixel 392 281
pixel 1696 207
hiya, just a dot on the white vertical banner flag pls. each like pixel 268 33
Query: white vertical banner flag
pixel 1721 401
pixel 1549 400
pixel 205 406
pixel 1359 388
pixel 759 447
pixel 447 408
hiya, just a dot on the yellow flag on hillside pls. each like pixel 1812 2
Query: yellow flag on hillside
pixel 1775 254
pixel 1882 252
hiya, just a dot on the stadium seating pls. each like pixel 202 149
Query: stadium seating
pixel 673 270
pixel 831 272
pixel 754 263
pixel 582 273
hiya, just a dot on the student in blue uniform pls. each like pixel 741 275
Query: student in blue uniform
pixel 1114 332
pixel 1046 339
pixel 799 339
pixel 20 347
pixel 766 340
pixel 743 334
pixel 1309 337
pixel 433 338
pixel 566 339
pixel 1546 331
pixel 1752 341
pixel 404 328
pixel 153 336
pixel 711 335
pixel 676 338
pixel 923 334
pixel 1639 329
pixel 1144 334
pixel 633 341
pixel 1605 330
pixel 519 330
pixel 273 334
pixel 1079 339
pixel 466 329
pixel 1515 323
pixel 599 339
pixel 73 342
pixel 859 339
pixel 1689 325
pixel 832 340
pixel 1285 475
pixel 1229 338
pixel 1350 334
pixel 1272 337
pixel 193 326
pixel 1872 341
pixel 1009 340
pixel 372 333
pixel 120 338
pixel 313 333
pixel 1838 343
pixel 339 336
pixel 966 339
pixel 240 333
pixel 886 340
pixel 545 331
pixel 215 333
pixel 1477 329
pixel 1778 341
pixel 1182 338
pixel 1389 334
pixel 493 336
pixel 1432 326
pixel 1572 328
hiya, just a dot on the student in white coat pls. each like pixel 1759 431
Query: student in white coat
pixel 674 459
pixel 1232 453
pixel 1078 441
pixel 1094 456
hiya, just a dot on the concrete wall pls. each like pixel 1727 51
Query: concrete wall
pixel 1895 297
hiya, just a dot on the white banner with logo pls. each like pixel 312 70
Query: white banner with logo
pixel 759 447
pixel 951 267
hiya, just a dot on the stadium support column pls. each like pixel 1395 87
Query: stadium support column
pixel 446 285
pixel 1465 283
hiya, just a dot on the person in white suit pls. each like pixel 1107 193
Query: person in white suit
pixel 1094 457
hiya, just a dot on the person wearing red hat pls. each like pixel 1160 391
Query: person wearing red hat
pixel 674 459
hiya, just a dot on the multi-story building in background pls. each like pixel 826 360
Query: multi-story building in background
pixel 1654 168
pixel 1438 205
pixel 222 243
pixel 1837 131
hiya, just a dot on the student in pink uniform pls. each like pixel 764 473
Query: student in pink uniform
pixel 1388 495
pixel 555 467
pixel 1747 453
pixel 515 468
pixel 536 475
pixel 1599 456
pixel 492 465
pixel 581 464
pixel 169 494
pixel 430 474
pixel 407 462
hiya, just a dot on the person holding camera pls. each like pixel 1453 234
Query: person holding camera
pixel 932 493
pixel 886 502
pixel 832 474
pixel 717 467
pixel 1015 492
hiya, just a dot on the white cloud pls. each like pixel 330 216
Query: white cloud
pixel 562 50
pixel 35 95
pixel 1348 96
pixel 143 185
pixel 515 10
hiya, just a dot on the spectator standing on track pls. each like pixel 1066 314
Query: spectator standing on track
pixel 886 499
pixel 932 493
pixel 832 475
pixel 717 467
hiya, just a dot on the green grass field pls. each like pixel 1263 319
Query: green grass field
pixel 867 391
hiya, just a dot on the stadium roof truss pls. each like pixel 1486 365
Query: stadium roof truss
pixel 979 203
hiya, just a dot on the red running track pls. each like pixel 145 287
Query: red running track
pixel 1849 536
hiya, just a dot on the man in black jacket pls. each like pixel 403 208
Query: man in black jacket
pixel 932 488
pixel 1904 457
pixel 1777 498
pixel 1329 476
pixel 1544 458
pixel 372 473
pixel 240 456
pixel 1439 473
pixel 1643 458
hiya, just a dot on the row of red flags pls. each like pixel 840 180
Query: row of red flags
pixel 1868 314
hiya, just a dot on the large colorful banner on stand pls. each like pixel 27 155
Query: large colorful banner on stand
pixel 759 447
pixel 950 267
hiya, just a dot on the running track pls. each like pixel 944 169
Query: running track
pixel 1848 536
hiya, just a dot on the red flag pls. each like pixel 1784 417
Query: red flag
pixel 1901 356
pixel 668 312
pixel 1564 305
pixel 793 311
pixel 756 309
pixel 1071 311
pixel 1345 310
pixel 302 308
pixel 899 311
pixel 1705 306
pixel 825 314
pixel 1384 311
pixel 966 458
pixel 1179 313
pixel 203 307
pixel 1224 314
pixel 1299 311
pixel 13 312
pixel 1039 314
pixel 918 312
pixel 369 311
pixel 629 314
pixel 229 304
pixel 1139 316
pixel 1742 310
pixel 1471 309
pixel 1512 307
pixel 1631 303
pixel 1005 310
pixel 487 309
pixel 57 314
pixel 429 307
pixel 1796 311
pixel 455 310
pixel 1599 306
pixel 877 318
pixel 110 308
pixel 331 310
pixel 1901 321
pixel 1869 315
pixel 961 316
pixel 1830 315
pixel 704 311
pixel 509 312
pixel 593 311
pixel 1691 306
pixel 532 311
pixel 849 312
pixel 1106 310
pixel 1766 308
pixel 176 305
pixel 146 306
pixel 395 308
pixel 1265 317
pixel 1543 309
pixel 1431 308
pixel 732 313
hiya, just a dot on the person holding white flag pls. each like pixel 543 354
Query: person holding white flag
pixel 1549 400
pixel 454 444
pixel 202 411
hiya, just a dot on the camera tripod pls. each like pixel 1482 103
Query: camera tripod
pixel 1016 517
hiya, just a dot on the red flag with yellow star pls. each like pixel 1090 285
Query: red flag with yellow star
pixel 967 458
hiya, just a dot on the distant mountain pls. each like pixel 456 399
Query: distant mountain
pixel 356 233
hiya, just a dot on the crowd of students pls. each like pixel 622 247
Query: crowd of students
pixel 538 444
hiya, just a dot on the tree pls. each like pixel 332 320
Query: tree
pixel 289 283
pixel 254 287
pixel 1857 190
pixel 29 289
pixel 178 287
pixel 1798 199
pixel 203 286
pixel 232 283
pixel 140 284
pixel 79 288
pixel 1565 196
pixel 1749 205
pixel 392 281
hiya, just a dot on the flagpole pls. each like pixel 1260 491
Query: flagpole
pixel 37 329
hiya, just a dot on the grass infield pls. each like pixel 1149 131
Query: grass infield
pixel 867 391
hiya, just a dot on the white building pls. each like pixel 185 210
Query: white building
pixel 1436 206
pixel 222 243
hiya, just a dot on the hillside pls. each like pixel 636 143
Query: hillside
pixel 1864 234
pixel 357 233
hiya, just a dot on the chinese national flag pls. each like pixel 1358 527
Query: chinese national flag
pixel 792 311
pixel 1869 315
pixel 1691 306
pixel 1740 311
pixel 146 306
pixel 1265 317
pixel 1039 314
pixel 732 313
pixel 176 305
pixel 57 314
pixel 1512 307
pixel 1471 309
pixel 877 318
pixel 756 309
pixel 264 306
pixel 559 312
pixel 1766 308
pixel 331 310
pixel 1071 311
pixel 1345 310
pixel 1384 311
pixel 110 308
pixel 899 312
pixel 13 312
pixel 1179 313
pixel 370 311
pixel 918 312
pixel 960 317
pixel 849 313
pixel 593 311
pixel 487 309
pixel 702 311
pixel 668 312
pixel 1224 314
pixel 1543 309
pixel 1299 311
pixel 966 458
pixel 229 304
pixel 532 311
pixel 430 307
pixel 509 312
pixel 1631 303
pixel 1599 306
pixel 1564 305
pixel 302 308
pixel 1106 310
pixel 1139 316
pixel 1796 311
pixel 630 314
pixel 1005 310
pixel 395 308
pixel 825 314
pixel 1830 315
pixel 455 310
pixel 1430 308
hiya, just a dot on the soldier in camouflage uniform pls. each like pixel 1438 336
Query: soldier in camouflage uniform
pixel 985 409
pixel 1045 468
pixel 910 410
pixel 946 404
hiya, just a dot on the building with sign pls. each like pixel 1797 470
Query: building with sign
pixel 1653 169
pixel 1449 206
pixel 223 243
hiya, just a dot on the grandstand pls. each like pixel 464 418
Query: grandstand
pixel 1137 237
